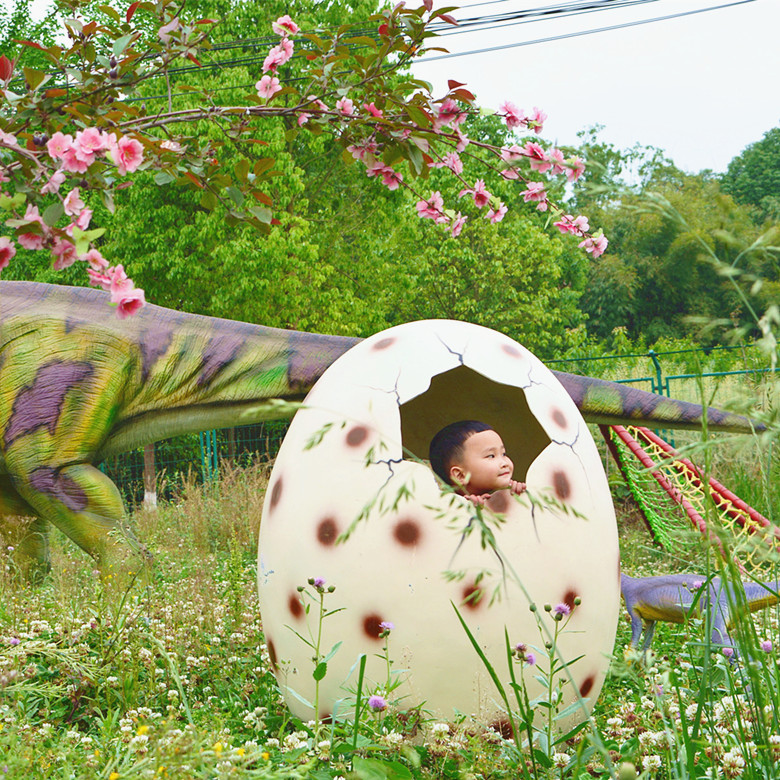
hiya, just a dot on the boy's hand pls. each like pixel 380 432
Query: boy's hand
pixel 478 500
pixel 517 487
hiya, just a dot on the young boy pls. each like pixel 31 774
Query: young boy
pixel 471 456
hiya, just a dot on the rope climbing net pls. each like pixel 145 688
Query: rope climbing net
pixel 674 497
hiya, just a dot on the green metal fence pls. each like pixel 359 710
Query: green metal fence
pixel 199 456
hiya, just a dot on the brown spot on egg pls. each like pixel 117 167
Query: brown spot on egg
pixel 561 485
pixel 357 435
pixel 407 532
pixel 327 531
pixel 472 596
pixel 294 603
pixel 499 502
pixel 383 343
pixel 372 625
pixel 569 597
pixel 559 418
pixel 326 718
pixel 511 350
pixel 503 727
pixel 272 654
pixel 276 492
pixel 587 685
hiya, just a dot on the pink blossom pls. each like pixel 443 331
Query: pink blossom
pixel 577 226
pixel 373 110
pixel 73 203
pixel 31 240
pixel 496 215
pixel 346 106
pixel 450 114
pixel 479 193
pixel 54 183
pixel 510 155
pixel 65 252
pixel 576 169
pixel 91 141
pixel 463 141
pixel 513 116
pixel 390 178
pixel 557 162
pixel 537 156
pixel 58 144
pixel 127 153
pixel 317 103
pixel 595 245
pixel 279 55
pixel 130 302
pixel 537 120
pixel 73 162
pixel 95 260
pixel 164 33
pixel 7 139
pixel 457 224
pixel 97 278
pixel 451 160
pixel 83 219
pixel 362 150
pixel 172 146
pixel 536 194
pixel 303 119
pixel 7 251
pixel 432 208
pixel 284 25
pixel 268 86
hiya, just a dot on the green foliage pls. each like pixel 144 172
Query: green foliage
pixel 753 177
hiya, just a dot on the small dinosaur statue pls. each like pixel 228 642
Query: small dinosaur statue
pixel 77 385
pixel 675 598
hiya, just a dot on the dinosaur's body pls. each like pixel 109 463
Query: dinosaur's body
pixel 675 598
pixel 78 385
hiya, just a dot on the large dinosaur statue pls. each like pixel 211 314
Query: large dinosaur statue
pixel 676 598
pixel 78 385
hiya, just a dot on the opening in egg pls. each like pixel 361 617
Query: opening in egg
pixel 464 394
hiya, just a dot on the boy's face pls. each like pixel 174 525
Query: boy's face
pixel 484 465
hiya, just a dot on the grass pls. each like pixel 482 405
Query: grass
pixel 172 678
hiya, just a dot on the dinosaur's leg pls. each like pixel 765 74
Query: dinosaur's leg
pixel 30 538
pixel 649 630
pixel 86 506
pixel 636 627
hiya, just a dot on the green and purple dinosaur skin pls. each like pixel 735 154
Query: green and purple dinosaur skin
pixel 675 598
pixel 78 385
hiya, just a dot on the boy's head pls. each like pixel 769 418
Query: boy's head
pixel 470 455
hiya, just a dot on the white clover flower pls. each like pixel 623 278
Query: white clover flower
pixel 733 763
pixel 651 763
pixel 561 760
pixel 647 703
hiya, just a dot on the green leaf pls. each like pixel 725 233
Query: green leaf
pixel 120 44
pixel 109 11
pixel 108 201
pixel 164 177
pixel 208 200
pixel 53 214
pixel 236 196
pixel 35 77
pixel 320 671
pixel 334 649
pixel 242 169
pixel 12 203
pixel 263 214
pixel 374 769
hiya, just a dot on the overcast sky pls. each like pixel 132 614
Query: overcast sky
pixel 701 87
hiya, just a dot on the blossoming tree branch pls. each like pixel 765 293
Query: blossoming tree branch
pixel 76 128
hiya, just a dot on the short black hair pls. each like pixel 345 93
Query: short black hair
pixel 447 445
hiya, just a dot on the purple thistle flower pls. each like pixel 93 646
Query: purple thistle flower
pixel 14 641
pixel 766 645
pixel 318 582
pixel 377 703
pixel 530 659
pixel 728 652
pixel 386 625
pixel 561 611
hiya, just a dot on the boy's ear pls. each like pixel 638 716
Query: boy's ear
pixel 458 476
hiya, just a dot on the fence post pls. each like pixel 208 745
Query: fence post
pixel 208 455
pixel 658 385
pixel 150 478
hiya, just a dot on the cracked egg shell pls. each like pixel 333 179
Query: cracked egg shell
pixel 351 462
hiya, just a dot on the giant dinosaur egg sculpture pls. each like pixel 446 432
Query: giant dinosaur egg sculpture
pixel 350 501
